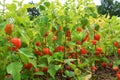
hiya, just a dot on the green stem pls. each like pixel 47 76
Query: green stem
pixel 77 56
pixel 65 47
pixel 45 41
pixel 116 55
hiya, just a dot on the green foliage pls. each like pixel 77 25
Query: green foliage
pixel 14 69
pixel 57 44
pixel 52 69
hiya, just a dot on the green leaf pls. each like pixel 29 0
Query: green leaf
pixel 60 37
pixel 82 35
pixel 14 69
pixel 26 52
pixel 74 27
pixel 2 25
pixel 116 63
pixel 33 61
pixel 58 55
pixel 24 58
pixel 71 44
pixel 52 69
pixel 41 65
pixel 44 19
pixel 50 59
pixel 90 30
pixel 69 73
pixel 42 7
pixel 96 27
pixel 66 28
pixel 2 41
pixel 84 22
pixel 47 4
pixel 105 59
pixel 28 6
pixel 43 60
pixel 82 65
pixel 11 7
pixel 24 37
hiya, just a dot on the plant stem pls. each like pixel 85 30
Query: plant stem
pixel 65 47
pixel 77 57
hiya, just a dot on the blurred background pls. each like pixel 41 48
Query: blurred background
pixel 109 7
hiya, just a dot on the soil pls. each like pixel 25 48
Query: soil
pixel 104 73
